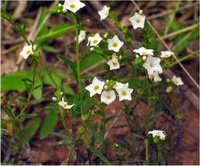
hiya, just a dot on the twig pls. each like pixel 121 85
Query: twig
pixel 184 69
pixel 179 31
pixel 170 11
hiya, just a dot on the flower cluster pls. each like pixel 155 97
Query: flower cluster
pixel 109 93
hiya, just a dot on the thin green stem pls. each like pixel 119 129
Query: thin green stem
pixel 184 58
pixel 172 17
pixel 31 90
pixel 78 62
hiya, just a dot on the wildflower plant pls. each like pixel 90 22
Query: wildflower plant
pixel 108 70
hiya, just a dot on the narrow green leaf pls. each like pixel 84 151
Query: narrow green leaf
pixel 156 116
pixel 101 156
pixel 53 34
pixel 72 66
pixel 111 118
pixel 49 123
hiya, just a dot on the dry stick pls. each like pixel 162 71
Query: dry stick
pixel 171 11
pixel 179 31
pixel 184 69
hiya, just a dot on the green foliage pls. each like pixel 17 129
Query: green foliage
pixel 30 130
pixel 49 123
pixel 72 66
pixel 100 155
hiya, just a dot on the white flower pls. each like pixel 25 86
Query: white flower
pixel 143 51
pixel 114 63
pixel 64 104
pixel 137 21
pixel 72 5
pixel 95 40
pixel 166 54
pixel 169 89
pixel 27 50
pixel 81 36
pixel 123 91
pixel 152 65
pixel 104 12
pixel 108 96
pixel 115 44
pixel 119 85
pixel 159 133
pixel 177 81
pixel 155 77
pixel 95 87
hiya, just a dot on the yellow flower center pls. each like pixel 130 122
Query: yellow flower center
pixel 124 93
pixel 152 76
pixel 144 53
pixel 95 41
pixel 137 21
pixel 28 52
pixel 108 97
pixel 72 6
pixel 166 55
pixel 96 87
pixel 115 45
pixel 151 65
pixel 64 105
pixel 114 63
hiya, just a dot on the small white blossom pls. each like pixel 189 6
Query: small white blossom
pixel 169 89
pixel 72 5
pixel 115 44
pixel 152 65
pixel 27 50
pixel 108 96
pixel 54 98
pixel 81 36
pixel 95 87
pixel 159 133
pixel 114 63
pixel 95 40
pixel 137 21
pixel 64 104
pixel 166 54
pixel 143 51
pixel 119 85
pixel 155 77
pixel 123 91
pixel 104 12
pixel 177 81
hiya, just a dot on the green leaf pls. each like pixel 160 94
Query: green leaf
pixel 29 131
pixel 98 154
pixel 94 132
pixel 194 34
pixel 54 32
pixel 48 48
pixel 49 123
pixel 29 116
pixel 14 81
pixel 72 66
pixel 90 60
pixel 111 118
pixel 156 116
